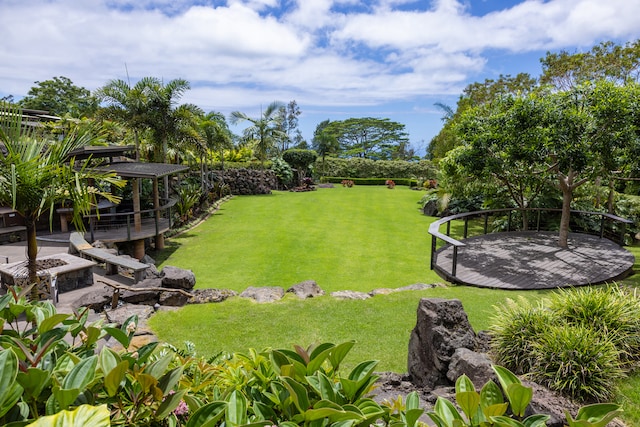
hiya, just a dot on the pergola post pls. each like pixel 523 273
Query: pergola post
pixel 137 218
pixel 159 239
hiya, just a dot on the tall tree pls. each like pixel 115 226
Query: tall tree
pixel 367 137
pixel 59 96
pixel 574 136
pixel 216 136
pixel 619 64
pixel 264 132
pixel 127 105
pixel 289 120
pixel 36 174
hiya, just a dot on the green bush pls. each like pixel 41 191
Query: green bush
pixel 577 361
pixel 612 311
pixel 516 327
pixel 356 167
pixel 580 345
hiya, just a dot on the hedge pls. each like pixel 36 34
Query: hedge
pixel 370 181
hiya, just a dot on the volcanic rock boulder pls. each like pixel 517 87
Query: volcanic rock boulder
pixel 441 328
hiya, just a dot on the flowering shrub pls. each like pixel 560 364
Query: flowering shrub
pixel 347 183
pixel 390 184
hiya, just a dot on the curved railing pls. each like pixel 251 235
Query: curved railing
pixel 608 226
pixel 121 226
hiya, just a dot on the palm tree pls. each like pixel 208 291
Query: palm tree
pixel 127 105
pixel 265 131
pixel 215 133
pixel 36 174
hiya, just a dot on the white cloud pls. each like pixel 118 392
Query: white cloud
pixel 319 52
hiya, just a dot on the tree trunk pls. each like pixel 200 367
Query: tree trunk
pixel 32 256
pixel 610 198
pixel 566 185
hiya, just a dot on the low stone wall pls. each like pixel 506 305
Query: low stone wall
pixel 248 181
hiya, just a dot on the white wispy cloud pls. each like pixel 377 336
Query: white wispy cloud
pixel 320 52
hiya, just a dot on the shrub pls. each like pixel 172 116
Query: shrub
pixel 577 361
pixel 370 181
pixel 356 167
pixel 611 310
pixel 580 345
pixel 516 327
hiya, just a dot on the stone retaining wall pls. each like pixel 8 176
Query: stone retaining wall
pixel 248 181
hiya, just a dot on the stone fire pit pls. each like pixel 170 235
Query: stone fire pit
pixel 71 272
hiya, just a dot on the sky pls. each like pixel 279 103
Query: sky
pixel 336 58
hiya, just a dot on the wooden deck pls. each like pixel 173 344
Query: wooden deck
pixel 533 260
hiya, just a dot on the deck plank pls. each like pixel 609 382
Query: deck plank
pixel 533 260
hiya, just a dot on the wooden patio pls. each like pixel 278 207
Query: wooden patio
pixel 533 260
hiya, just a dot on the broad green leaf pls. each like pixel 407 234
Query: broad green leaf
pixel 159 367
pixel 236 410
pixel 207 415
pixel 130 325
pixel 278 359
pixel 93 335
pixel 8 370
pixel 495 410
pixel 412 416
pixel 115 377
pixel 363 370
pixel 519 398
pixel 469 401
pixel 595 415
pixel 10 398
pixel 490 395
pixel 118 335
pixel 318 358
pixel 320 349
pixel 505 377
pixel 502 421
pixel 108 360
pixel 536 420
pixel 169 403
pixel 48 323
pixel 412 401
pixel 146 381
pixel 463 383
pixel 331 413
pixel 170 379
pixel 298 394
pixel 446 411
pixel 82 374
pixel 83 415
pixel 339 353
pixel 65 396
pixel 34 381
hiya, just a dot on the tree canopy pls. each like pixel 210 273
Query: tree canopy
pixel 367 137
pixel 59 96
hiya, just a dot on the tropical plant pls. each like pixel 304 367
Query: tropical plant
pixel 489 408
pixel 127 105
pixel 300 160
pixel 579 344
pixel 50 366
pixel 37 173
pixel 264 132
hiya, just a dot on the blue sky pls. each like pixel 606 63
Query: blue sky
pixel 337 58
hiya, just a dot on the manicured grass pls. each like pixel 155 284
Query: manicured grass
pixel 381 325
pixel 359 238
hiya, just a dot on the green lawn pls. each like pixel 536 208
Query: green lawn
pixel 358 238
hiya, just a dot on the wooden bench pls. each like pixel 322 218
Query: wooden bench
pixel 111 261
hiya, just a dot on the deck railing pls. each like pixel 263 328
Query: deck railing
pixel 603 224
pixel 160 218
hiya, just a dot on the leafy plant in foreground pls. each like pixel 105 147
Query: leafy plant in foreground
pixel 489 408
